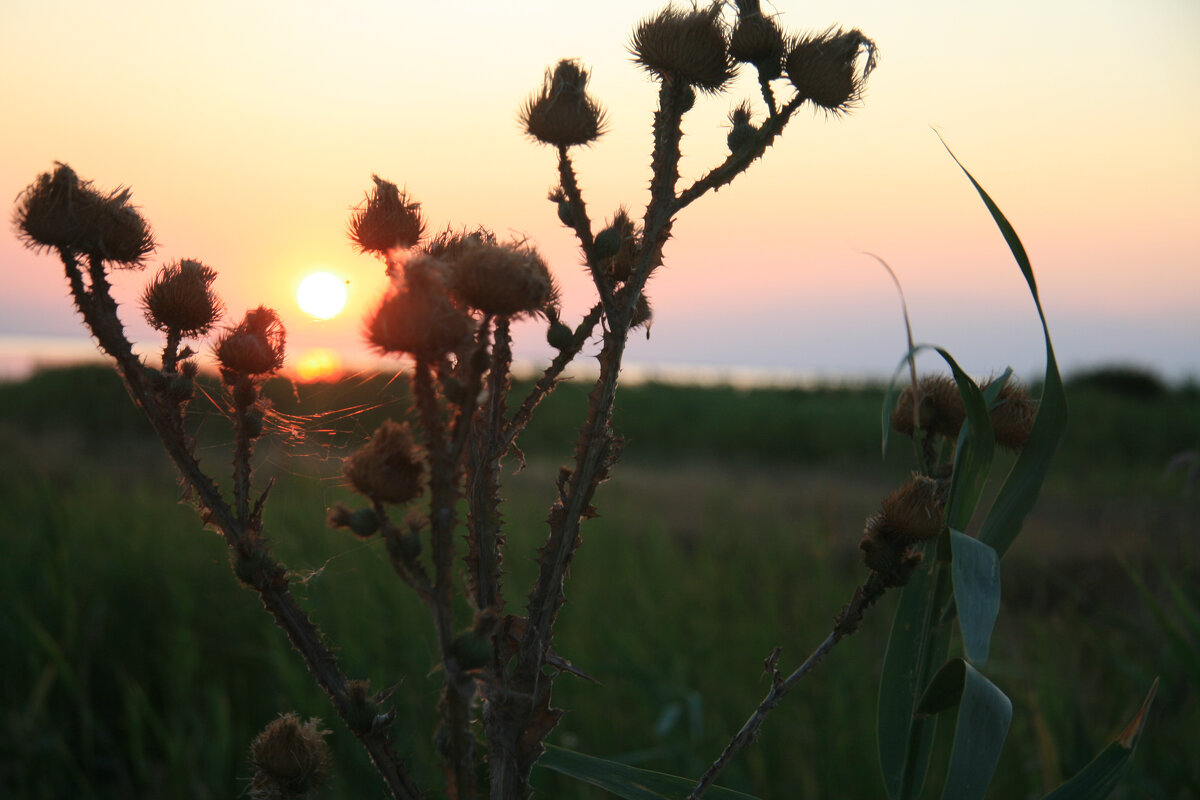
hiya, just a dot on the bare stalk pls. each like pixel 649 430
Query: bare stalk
pixel 847 623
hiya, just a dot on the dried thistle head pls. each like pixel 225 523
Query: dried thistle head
pixel 386 219
pixel 181 299
pixel 252 348
pixel 824 67
pixel 741 127
pixel 757 40
pixel 506 280
pixel 685 45
pixel 910 515
pixel 63 212
pixel 940 407
pixel 290 759
pixel 388 468
pixel 417 316
pixel 1012 415
pixel 563 114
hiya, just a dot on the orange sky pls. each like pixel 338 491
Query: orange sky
pixel 247 130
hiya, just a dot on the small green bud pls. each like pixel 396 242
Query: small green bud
pixel 740 136
pixel 180 389
pixel 471 650
pixel 608 243
pixel 560 336
pixel 564 214
pixel 363 522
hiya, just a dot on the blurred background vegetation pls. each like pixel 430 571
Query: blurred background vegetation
pixel 134 665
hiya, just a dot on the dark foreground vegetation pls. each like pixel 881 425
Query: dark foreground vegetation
pixel 133 667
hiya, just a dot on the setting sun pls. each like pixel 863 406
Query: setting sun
pixel 322 295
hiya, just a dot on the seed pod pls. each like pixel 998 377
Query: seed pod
pixel 911 514
pixel 388 218
pixel 61 211
pixel 506 280
pixel 559 335
pixel 687 46
pixel 290 758
pixel 181 299
pixel 608 242
pixel 757 40
pixel 254 347
pixel 939 407
pixel 563 114
pixel 823 68
pixel 388 468
pixel 1012 416
pixel 418 318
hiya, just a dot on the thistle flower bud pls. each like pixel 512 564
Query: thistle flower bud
pixel 290 759
pixel 254 347
pixel 362 522
pixel 563 114
pixel 823 67
pixel 181 299
pixel 559 335
pixel 1012 415
pixel 742 130
pixel 757 40
pixel 940 408
pixel 908 516
pixel 388 468
pixel 687 46
pixel 471 650
pixel 61 211
pixel 417 317
pixel 624 233
pixel 386 219
pixel 506 280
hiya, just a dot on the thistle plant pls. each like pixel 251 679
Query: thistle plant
pixel 430 479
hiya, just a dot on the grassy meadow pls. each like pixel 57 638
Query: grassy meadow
pixel 134 665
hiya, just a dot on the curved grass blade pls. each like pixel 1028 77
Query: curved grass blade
pixel 625 781
pixel 1101 776
pixel 984 714
pixel 1024 481
pixel 976 573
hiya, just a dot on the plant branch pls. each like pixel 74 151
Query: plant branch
pixel 847 622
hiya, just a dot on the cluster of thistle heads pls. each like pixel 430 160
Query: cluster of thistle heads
pixel 913 514
pixel 698 49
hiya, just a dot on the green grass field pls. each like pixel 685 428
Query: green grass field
pixel 134 665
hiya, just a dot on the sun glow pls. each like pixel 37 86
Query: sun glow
pixel 318 364
pixel 321 295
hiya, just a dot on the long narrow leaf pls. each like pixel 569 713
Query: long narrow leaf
pixel 1101 776
pixel 1024 482
pixel 976 573
pixel 918 645
pixel 984 714
pixel 625 781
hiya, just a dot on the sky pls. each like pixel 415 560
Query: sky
pixel 248 130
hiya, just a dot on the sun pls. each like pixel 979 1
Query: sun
pixel 322 295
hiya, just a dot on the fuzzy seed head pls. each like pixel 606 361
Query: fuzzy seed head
pixel 1012 415
pixel 939 406
pixel 823 67
pixel 254 347
pixel 685 45
pixel 63 212
pixel 562 113
pixel 506 280
pixel 388 468
pixel 626 235
pixel 416 316
pixel 290 759
pixel 912 513
pixel 757 40
pixel 386 219
pixel 181 299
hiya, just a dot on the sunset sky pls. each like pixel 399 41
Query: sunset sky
pixel 247 130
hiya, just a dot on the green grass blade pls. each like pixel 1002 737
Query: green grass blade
pixel 984 714
pixel 976 574
pixel 1024 481
pixel 918 644
pixel 1101 776
pixel 625 781
pixel 976 448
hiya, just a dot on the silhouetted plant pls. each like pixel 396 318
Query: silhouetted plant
pixel 448 310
